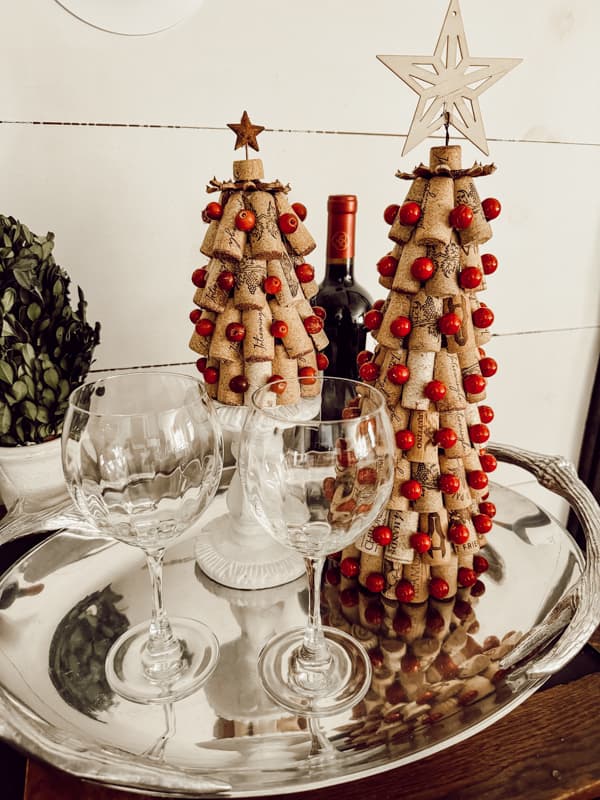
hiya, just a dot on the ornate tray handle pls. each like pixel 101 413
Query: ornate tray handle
pixel 576 616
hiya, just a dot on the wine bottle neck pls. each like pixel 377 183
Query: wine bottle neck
pixel 339 270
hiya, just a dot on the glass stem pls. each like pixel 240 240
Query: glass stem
pixel 310 663
pixel 162 652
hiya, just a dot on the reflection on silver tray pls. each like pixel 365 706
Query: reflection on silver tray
pixel 229 739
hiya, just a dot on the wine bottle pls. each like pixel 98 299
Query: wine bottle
pixel 344 300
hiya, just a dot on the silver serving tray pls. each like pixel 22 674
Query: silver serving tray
pixel 229 740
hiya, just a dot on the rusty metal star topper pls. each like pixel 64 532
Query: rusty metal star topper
pixel 246 133
pixel 449 84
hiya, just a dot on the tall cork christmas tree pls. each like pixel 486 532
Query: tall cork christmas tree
pixel 253 322
pixel 429 361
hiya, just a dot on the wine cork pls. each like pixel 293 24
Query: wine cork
pixel 258 343
pixel 417 613
pixel 265 238
pixel 418 573
pixel 305 310
pixel 421 366
pixel 382 678
pixel 446 260
pixel 369 563
pixel 201 344
pixel 297 342
pixel 403 277
pixel 258 373
pixel 208 242
pixel 482 335
pixel 309 387
pixel 308 288
pixel 225 394
pixel 365 543
pixel 428 475
pixel 213 297
pixel 250 169
pixel 290 286
pixel 472 414
pixel 463 517
pixel 425 311
pixel 286 367
pixel 462 498
pixel 393 574
pixel 399 417
pixel 250 275
pixel 446 158
pixel 212 388
pixel 474 689
pixel 465 193
pixel 391 391
pixel 366 637
pixel 300 240
pixel 221 347
pixel 457 422
pixel 398 306
pixel 424 425
pixel 230 241
pixel 472 463
pixel 470 257
pixel 438 201
pixel 393 650
pixel 448 572
pixel 447 370
pixel 397 501
pixel 444 609
pixel 398 231
pixel 426 650
pixel 463 341
pixel 436 526
pixel 403 525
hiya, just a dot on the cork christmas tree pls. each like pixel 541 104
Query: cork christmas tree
pixel 254 322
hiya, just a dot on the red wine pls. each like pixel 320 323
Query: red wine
pixel 344 300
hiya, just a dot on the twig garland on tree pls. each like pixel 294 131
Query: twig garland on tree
pixel 254 323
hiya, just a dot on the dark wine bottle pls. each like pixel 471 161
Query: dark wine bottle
pixel 343 299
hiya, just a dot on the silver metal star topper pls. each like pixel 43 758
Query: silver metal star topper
pixel 449 84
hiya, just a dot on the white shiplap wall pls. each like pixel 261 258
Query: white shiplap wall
pixel 79 158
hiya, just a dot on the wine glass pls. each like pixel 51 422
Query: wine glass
pixel 142 456
pixel 317 473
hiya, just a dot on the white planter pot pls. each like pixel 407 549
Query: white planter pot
pixel 32 473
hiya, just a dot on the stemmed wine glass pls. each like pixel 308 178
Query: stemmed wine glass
pixel 317 473
pixel 142 456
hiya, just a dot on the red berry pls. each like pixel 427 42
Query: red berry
pixel 483 317
pixel 195 315
pixel 378 305
pixel 313 324
pixel 477 479
pixel 461 217
pixel 421 542
pixel 373 319
pixel 199 277
pixel 382 534
pixel 299 211
pixel 445 438
pixel 288 223
pixel 349 597
pixel 278 385
pixel 474 383
pixel 449 324
pixel 489 263
pixel 434 622
pixel 307 376
pixel 400 327
pixel 405 439
pixel 466 576
pixel 410 213
pixel 398 374
pixel 470 277
pixel 375 582
pixel 422 268
pixel 214 210
pixel 402 622
pixel 332 576
pixel 438 588
pixel 411 489
pixel 211 375
pixel 226 280
pixel 488 462
pixel 363 357
pixel 483 524
pixel 458 533
pixel 235 332
pixel 463 611
pixel 305 272
pixel 488 508
pixel 390 214
pixel 320 312
pixel 480 564
pixel 386 266
pixel 201 364
pixel 479 433
pixel 486 413
pixel 272 285
pixel 368 372
pixel 435 390
pixel 205 327
pixel 491 208
pixel 488 367
pixel 374 615
pixel 350 567
pixel 404 590
pixel 449 484
pixel 245 220
pixel 239 384
pixel 279 329
pixel 322 361
pixel 478 589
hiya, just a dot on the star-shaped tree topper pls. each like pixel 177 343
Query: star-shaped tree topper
pixel 449 84
pixel 246 133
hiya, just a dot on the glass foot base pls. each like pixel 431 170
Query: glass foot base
pixel 125 669
pixel 345 682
